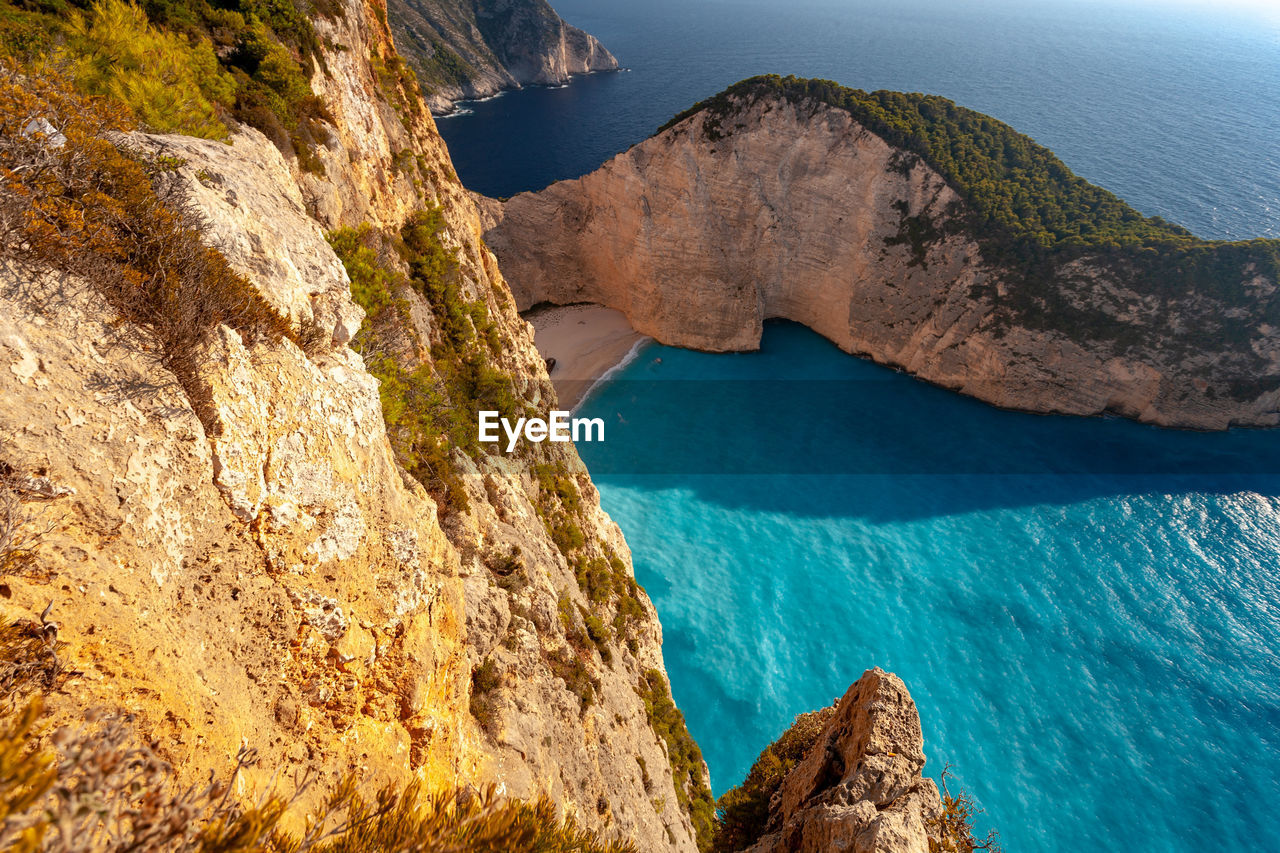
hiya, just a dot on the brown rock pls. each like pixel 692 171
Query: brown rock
pixel 859 789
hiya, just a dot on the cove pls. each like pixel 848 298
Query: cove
pixel 1087 611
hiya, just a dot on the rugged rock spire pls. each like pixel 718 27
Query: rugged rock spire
pixel 859 789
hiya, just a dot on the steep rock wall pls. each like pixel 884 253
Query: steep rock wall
pixel 780 210
pixel 269 576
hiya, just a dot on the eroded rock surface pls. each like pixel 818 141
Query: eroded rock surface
pixel 796 211
pixel 859 789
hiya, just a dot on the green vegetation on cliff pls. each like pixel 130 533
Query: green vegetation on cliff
pixel 687 768
pixel 184 66
pixel 1016 186
pixel 429 392
pixel 743 811
pixel 1029 213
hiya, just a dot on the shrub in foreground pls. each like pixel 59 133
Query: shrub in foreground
pixel 954 826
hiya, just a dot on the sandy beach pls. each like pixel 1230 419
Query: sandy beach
pixel 585 340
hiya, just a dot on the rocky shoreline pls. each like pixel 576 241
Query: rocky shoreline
pixel 777 209
pixel 464 51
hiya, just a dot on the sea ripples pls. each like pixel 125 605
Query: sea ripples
pixel 1098 655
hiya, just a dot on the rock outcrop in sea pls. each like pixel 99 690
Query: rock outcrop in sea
pixel 860 787
pixel 769 202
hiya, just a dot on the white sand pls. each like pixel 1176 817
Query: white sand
pixel 585 340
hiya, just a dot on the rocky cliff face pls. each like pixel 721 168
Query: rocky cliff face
pixel 476 48
pixel 778 209
pixel 263 572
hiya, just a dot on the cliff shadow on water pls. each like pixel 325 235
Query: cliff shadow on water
pixel 734 428
pixel 1117 618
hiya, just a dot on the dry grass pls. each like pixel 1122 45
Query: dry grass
pixel 955 825
pixel 95 789
pixel 28 649
pixel 28 658
pixel 20 533
pixel 73 200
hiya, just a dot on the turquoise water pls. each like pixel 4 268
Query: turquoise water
pixel 1086 611
pixel 1097 653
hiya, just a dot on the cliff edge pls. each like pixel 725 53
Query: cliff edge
pixel 916 233
pixel 271 534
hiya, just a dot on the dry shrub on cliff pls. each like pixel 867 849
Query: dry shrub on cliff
pixel 76 202
pixel 96 789
pixel 28 649
pixel 954 827
pixel 19 532
pixel 743 812
pixel 462 821
pixel 93 787
pixel 28 658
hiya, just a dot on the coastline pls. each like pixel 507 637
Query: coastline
pixel 459 107
pixel 589 344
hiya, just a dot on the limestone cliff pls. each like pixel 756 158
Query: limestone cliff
pixel 476 48
pixel 262 571
pixel 773 204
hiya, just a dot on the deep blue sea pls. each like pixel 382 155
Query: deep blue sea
pixel 1172 106
pixel 1086 611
